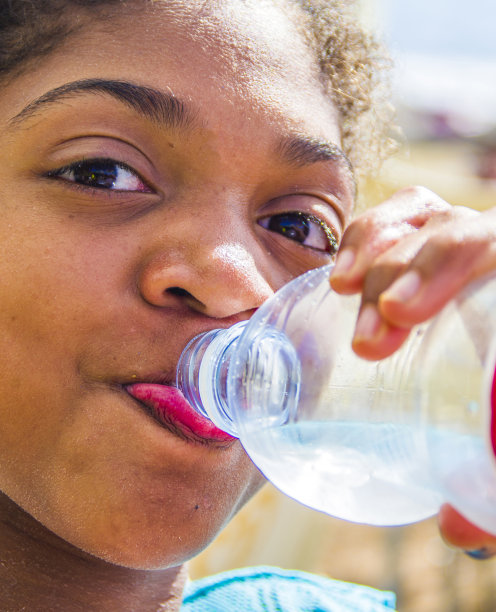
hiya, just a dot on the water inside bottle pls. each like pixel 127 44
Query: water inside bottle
pixel 360 472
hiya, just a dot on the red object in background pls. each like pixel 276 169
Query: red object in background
pixel 493 411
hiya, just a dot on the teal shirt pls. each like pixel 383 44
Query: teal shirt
pixel 270 589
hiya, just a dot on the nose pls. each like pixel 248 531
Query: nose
pixel 215 275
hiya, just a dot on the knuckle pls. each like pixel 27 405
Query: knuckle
pixel 452 244
pixel 453 214
pixel 423 201
pixel 423 196
pixel 450 236
pixel 358 230
pixel 417 192
pixel 464 212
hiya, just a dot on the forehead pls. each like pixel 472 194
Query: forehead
pixel 241 36
pixel 248 54
pixel 254 50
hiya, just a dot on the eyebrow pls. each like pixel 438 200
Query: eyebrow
pixel 304 150
pixel 163 107
pixel 159 106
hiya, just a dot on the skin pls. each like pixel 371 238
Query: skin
pixel 105 287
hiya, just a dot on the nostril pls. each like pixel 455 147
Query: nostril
pixel 178 291
pixel 185 298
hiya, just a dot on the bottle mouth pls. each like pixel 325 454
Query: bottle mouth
pixel 264 379
pixel 213 375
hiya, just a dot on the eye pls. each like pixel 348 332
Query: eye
pixel 105 174
pixel 304 228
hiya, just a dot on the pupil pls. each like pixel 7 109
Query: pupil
pixel 101 175
pixel 292 226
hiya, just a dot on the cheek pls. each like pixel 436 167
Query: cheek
pixel 90 472
pixel 94 474
pixel 73 454
pixel 139 515
pixel 39 336
pixel 37 374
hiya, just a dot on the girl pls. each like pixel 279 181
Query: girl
pixel 166 165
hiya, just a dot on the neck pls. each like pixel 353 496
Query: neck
pixel 40 571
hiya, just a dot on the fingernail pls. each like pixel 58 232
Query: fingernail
pixel 480 553
pixel 368 322
pixel 404 288
pixel 344 262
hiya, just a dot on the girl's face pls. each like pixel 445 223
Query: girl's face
pixel 162 173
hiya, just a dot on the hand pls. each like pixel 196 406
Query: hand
pixel 460 533
pixel 408 257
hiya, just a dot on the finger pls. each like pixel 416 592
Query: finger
pixel 457 531
pixel 374 338
pixel 384 271
pixel 380 340
pixel 380 228
pixel 451 258
pixel 390 265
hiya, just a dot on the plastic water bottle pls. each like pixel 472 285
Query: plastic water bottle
pixel 381 443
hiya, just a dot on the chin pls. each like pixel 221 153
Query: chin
pixel 137 554
pixel 134 546
pixel 154 538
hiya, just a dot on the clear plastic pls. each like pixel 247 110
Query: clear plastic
pixel 382 443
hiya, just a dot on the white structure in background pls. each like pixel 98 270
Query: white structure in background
pixel 445 57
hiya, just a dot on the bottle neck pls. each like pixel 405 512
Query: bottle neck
pixel 202 374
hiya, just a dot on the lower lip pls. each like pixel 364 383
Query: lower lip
pixel 170 409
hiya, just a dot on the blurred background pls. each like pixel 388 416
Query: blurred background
pixel 445 93
pixel 444 86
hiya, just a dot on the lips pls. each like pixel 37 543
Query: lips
pixel 169 407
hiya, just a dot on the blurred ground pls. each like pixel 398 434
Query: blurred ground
pixel 412 561
pixel 451 167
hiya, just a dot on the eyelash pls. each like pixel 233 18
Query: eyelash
pixel 332 242
pixel 85 165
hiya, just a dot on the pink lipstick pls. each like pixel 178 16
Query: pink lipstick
pixel 169 407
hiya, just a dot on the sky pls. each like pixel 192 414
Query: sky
pixel 439 27
pixel 446 56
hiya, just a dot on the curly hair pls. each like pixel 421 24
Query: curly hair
pixel 352 62
pixel 356 66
